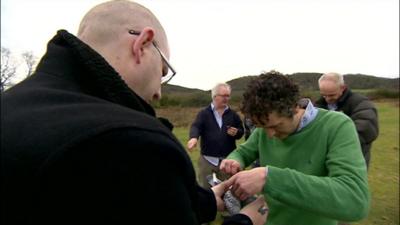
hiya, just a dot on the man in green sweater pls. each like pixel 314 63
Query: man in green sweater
pixel 312 170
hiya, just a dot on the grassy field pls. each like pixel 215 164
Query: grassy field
pixel 384 167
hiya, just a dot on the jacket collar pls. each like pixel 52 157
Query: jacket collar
pixel 211 108
pixel 346 94
pixel 69 57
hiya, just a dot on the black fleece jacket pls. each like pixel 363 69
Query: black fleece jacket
pixel 79 147
pixel 364 115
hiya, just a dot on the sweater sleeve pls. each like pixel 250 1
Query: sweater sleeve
pixel 237 219
pixel 247 152
pixel 207 204
pixel 342 194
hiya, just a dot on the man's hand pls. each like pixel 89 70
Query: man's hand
pixel 257 211
pixel 192 144
pixel 219 190
pixel 230 166
pixel 247 183
pixel 232 131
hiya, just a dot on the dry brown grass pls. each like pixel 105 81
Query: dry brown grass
pixel 179 116
pixel 184 116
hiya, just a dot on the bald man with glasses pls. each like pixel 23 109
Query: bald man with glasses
pixel 80 142
pixel 336 96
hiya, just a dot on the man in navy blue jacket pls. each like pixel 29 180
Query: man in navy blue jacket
pixel 219 127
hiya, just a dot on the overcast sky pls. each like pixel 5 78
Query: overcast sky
pixel 219 40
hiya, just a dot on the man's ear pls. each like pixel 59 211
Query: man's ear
pixel 144 39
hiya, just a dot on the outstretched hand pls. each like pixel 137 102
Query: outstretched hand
pixel 192 143
pixel 219 190
pixel 257 210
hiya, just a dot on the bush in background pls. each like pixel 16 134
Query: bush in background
pixel 383 94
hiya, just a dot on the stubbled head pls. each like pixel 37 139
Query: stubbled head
pixel 125 34
pixel 331 87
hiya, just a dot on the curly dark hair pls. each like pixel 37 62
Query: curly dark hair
pixel 269 92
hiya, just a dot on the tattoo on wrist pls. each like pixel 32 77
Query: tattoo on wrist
pixel 263 209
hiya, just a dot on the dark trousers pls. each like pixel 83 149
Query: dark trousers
pixel 206 168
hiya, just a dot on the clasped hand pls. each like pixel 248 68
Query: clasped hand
pixel 232 131
pixel 245 183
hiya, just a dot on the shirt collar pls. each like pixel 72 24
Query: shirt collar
pixel 213 107
pixel 309 115
pixel 332 107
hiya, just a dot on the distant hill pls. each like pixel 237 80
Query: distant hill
pixel 373 87
pixel 306 81
pixel 174 89
pixel 309 81
pixel 360 81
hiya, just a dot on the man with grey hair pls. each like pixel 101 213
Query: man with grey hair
pixel 78 135
pixel 336 96
pixel 219 127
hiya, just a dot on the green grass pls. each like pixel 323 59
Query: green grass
pixel 383 172
pixel 384 168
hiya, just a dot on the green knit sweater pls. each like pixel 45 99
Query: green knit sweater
pixel 316 176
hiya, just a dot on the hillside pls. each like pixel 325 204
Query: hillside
pixel 172 89
pixel 306 81
pixel 373 87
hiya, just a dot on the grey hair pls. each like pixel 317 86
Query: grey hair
pixel 216 88
pixel 335 77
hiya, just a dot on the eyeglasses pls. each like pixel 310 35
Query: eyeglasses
pixel 170 73
pixel 224 96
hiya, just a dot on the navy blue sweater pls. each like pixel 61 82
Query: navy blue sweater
pixel 215 141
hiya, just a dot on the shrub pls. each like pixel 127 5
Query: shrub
pixel 383 93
